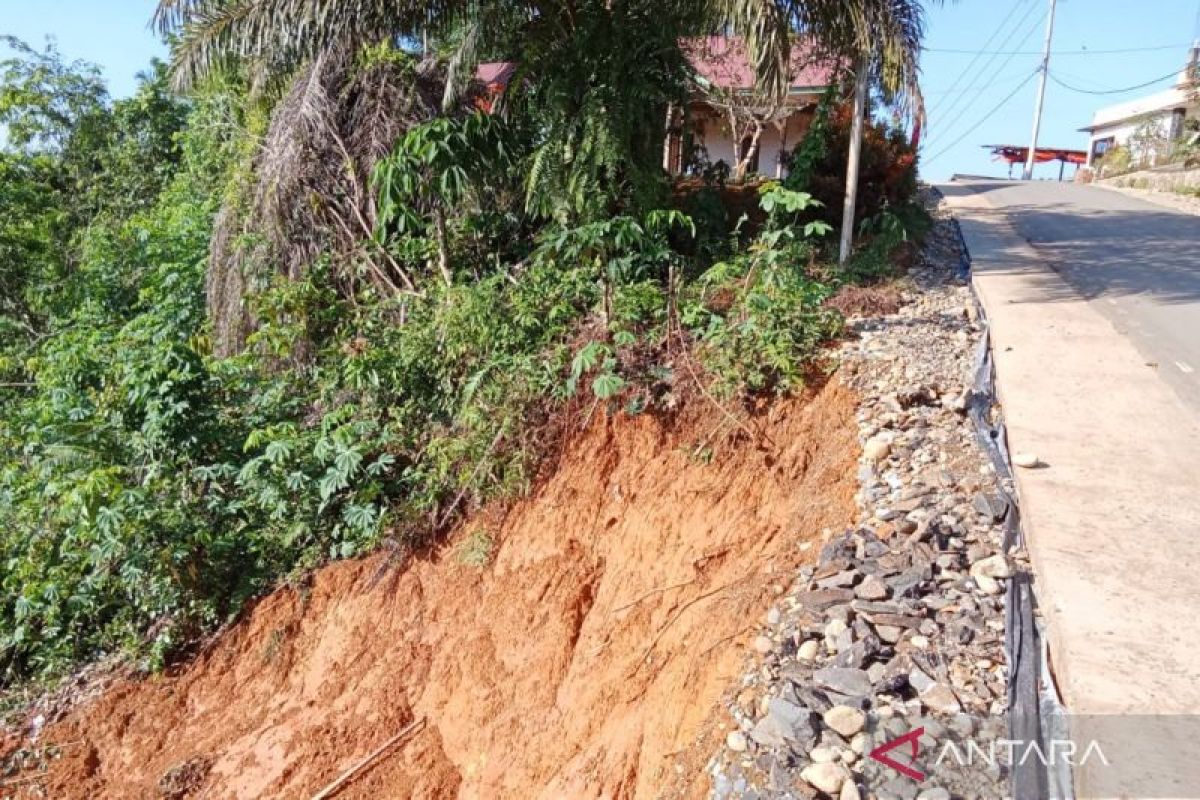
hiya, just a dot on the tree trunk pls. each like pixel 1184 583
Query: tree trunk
pixel 751 151
pixel 439 226
pixel 735 133
pixel 668 137
pixel 856 134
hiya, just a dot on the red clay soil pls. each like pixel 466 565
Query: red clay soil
pixel 587 660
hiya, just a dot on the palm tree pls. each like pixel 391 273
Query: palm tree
pixel 278 35
pixel 596 76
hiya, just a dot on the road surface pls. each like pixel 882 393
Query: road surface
pixel 1138 263
pixel 1093 304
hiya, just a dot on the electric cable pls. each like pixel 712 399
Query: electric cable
pixel 1065 85
pixel 987 116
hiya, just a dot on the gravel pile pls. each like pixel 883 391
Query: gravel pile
pixel 900 625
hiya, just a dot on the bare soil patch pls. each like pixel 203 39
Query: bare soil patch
pixel 586 659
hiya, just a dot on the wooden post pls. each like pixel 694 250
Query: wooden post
pixel 856 135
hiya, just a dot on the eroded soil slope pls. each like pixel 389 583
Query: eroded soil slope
pixel 586 660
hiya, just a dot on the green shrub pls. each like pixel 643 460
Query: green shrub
pixel 148 488
pixel 887 169
pixel 1116 161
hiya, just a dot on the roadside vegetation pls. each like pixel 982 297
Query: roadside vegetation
pixel 310 299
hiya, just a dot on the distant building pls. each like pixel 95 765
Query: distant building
pixel 1159 116
pixel 721 115
pixel 725 117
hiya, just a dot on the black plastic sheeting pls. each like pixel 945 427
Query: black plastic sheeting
pixel 1034 709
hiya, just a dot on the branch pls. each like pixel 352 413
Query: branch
pixel 345 777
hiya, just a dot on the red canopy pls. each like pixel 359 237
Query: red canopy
pixel 1015 154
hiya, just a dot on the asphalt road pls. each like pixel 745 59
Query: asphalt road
pixel 1136 262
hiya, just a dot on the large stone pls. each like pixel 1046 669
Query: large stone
pixel 941 698
pixel 788 712
pixel 856 654
pixel 827 777
pixel 784 723
pixel 838 580
pixel 872 588
pixel 935 793
pixel 996 566
pixel 767 732
pixel 907 583
pixel 889 633
pixel 991 505
pixel 822 599
pixel 845 720
pixel 896 620
pixel 1026 460
pixel 877 448
pixel 810 697
pixel 823 755
pixel 867 607
pixel 844 680
pixel 920 681
pixel 987 584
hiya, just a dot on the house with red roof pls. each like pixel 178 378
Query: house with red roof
pixel 727 120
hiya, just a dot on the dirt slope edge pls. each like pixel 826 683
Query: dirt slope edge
pixel 585 661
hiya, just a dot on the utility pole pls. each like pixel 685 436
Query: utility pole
pixel 856 135
pixel 1041 95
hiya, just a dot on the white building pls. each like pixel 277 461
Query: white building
pixel 1157 116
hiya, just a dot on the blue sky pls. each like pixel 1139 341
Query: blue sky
pixel 964 92
pixel 111 33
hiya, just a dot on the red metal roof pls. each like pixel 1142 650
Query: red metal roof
pixel 722 60
pixel 1015 154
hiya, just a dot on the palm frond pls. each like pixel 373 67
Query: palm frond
pixel 279 35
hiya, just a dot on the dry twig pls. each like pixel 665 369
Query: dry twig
pixel 345 777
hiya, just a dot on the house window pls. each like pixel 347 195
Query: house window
pixel 1177 117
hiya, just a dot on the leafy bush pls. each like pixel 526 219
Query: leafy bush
pixel 758 317
pixel 1116 161
pixel 887 168
pixel 149 487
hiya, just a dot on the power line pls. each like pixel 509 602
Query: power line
pixel 1057 53
pixel 998 78
pixel 984 70
pixel 987 116
pixel 971 103
pixel 979 54
pixel 1060 82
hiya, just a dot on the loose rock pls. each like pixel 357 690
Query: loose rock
pixel 1026 460
pixel 845 720
pixel 827 777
